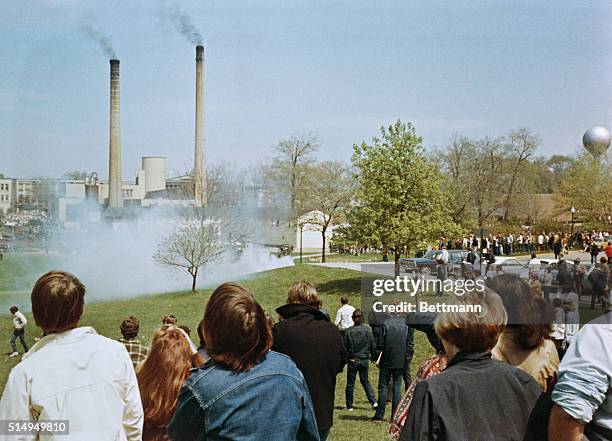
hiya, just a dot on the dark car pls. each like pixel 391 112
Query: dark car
pixel 427 264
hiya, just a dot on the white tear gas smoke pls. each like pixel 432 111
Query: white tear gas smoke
pixel 102 40
pixel 114 261
pixel 181 21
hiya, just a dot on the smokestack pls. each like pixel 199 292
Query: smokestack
pixel 199 170
pixel 115 199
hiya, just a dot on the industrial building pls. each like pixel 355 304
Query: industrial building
pixel 61 197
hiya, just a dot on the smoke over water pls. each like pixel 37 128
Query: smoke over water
pixel 182 22
pixel 102 40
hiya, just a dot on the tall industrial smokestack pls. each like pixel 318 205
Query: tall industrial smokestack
pixel 115 199
pixel 199 170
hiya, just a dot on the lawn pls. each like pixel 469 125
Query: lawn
pixel 270 288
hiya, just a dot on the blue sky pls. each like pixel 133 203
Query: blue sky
pixel 276 68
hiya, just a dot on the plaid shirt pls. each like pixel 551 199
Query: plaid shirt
pixel 138 352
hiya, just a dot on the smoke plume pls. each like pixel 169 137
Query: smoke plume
pixel 102 40
pixel 182 22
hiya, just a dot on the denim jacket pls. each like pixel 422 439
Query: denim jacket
pixel 269 402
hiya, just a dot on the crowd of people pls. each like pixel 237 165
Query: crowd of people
pixel 529 242
pixel 497 373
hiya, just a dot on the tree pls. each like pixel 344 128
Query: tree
pixel 79 175
pixel 199 240
pixel 329 187
pixel 475 178
pixel 288 169
pixel 399 202
pixel 521 145
pixel 587 187
pixel 191 246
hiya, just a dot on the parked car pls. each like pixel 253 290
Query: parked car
pixel 427 264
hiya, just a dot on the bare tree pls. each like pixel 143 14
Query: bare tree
pixel 329 187
pixel 191 246
pixel 476 180
pixel 291 158
pixel 520 146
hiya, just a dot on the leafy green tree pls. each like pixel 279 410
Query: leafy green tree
pixel 587 187
pixel 399 203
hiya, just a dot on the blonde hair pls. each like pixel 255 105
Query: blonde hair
pixel 304 292
pixel 470 328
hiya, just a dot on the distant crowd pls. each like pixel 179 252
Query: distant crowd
pixel 518 370
pixel 530 242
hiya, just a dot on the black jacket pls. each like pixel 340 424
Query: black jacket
pixel 398 343
pixel 315 345
pixel 359 342
pixel 477 398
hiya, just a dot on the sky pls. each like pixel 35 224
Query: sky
pixel 339 69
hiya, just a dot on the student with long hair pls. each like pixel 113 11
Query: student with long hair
pixel 161 376
pixel 245 391
pixel 525 342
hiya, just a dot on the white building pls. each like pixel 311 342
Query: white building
pixel 7 194
pixel 308 232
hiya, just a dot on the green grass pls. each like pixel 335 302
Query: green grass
pixel 270 288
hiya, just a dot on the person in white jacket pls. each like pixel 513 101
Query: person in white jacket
pixel 72 373
pixel 19 322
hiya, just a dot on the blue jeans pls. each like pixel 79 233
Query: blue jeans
pixel 361 367
pixel 384 376
pixel 18 333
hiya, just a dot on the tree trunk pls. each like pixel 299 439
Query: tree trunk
pixel 323 249
pixel 194 277
pixel 396 264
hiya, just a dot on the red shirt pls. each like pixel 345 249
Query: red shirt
pixel 609 252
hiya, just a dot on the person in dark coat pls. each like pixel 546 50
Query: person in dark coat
pixel 476 397
pixel 376 320
pixel 397 351
pixel 360 345
pixel 313 342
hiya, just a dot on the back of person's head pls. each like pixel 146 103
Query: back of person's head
pixel 603 260
pixel 557 303
pixel 533 255
pixel 344 300
pixel 472 331
pixel 304 292
pixel 357 317
pixel 129 327
pixel 186 329
pixel 233 307
pixel 13 309
pixel 530 315
pixel 57 301
pixel 169 320
pixel 161 375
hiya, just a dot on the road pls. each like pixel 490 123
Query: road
pixel 386 268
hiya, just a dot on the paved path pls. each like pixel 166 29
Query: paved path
pixel 386 268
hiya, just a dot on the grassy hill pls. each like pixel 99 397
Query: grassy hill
pixel 270 288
